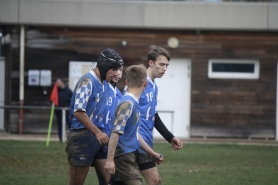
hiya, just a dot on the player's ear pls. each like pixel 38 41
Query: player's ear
pixel 126 82
pixel 145 83
pixel 151 63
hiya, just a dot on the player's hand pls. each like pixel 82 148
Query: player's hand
pixel 176 143
pixel 158 158
pixel 102 138
pixel 110 167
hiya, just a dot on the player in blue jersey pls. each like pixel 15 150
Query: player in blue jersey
pixel 125 139
pixel 114 96
pixel 158 60
pixel 87 141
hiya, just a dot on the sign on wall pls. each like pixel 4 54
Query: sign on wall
pixel 45 78
pixel 39 77
pixel 34 77
pixel 77 69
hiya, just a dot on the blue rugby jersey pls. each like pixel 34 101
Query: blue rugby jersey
pixel 127 123
pixel 148 102
pixel 114 96
pixel 89 96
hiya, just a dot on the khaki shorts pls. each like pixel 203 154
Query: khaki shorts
pixel 127 170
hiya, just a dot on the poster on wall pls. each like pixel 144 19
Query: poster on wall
pixel 45 78
pixel 77 69
pixel 34 77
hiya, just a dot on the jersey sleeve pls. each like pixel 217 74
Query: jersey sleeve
pixel 83 92
pixel 124 111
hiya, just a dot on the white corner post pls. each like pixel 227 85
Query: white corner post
pixel 21 79
pixel 63 125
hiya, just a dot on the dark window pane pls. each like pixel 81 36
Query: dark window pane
pixel 238 68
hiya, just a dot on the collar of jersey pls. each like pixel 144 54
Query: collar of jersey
pixel 95 76
pixel 132 95
pixel 113 88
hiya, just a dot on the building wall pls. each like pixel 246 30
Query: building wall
pixel 142 14
pixel 232 107
pixel 219 107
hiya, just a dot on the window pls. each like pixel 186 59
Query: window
pixel 233 69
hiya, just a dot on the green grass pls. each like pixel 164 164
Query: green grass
pixel 32 163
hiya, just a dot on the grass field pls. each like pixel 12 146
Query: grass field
pixel 32 163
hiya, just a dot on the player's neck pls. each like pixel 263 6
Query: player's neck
pixel 136 92
pixel 150 73
pixel 96 71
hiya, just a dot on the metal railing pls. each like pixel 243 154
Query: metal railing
pixel 64 109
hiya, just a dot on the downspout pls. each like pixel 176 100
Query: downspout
pixel 21 79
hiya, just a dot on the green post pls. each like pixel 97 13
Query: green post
pixel 50 124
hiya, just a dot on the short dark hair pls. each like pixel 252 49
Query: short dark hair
pixel 136 75
pixel 156 51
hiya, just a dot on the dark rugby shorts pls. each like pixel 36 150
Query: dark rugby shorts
pixel 102 153
pixel 144 161
pixel 82 147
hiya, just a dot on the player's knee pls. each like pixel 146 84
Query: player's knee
pixel 155 181
pixel 158 182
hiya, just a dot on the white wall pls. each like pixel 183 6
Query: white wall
pixel 142 14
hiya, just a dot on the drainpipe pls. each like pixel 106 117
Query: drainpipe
pixel 21 80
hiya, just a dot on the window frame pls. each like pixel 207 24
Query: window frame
pixel 234 75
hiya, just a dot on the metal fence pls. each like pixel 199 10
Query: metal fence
pixel 64 109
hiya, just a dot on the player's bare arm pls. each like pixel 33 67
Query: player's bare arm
pixel 120 120
pixel 110 167
pixel 85 120
pixel 158 158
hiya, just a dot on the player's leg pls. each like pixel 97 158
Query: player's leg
pixel 148 169
pixel 128 182
pixel 103 177
pixel 82 147
pixel 77 174
pixel 99 163
pixel 114 180
pixel 151 176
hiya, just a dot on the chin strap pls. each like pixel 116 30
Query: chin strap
pixel 113 83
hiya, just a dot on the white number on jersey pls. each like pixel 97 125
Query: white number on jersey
pixel 149 96
pixel 110 100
